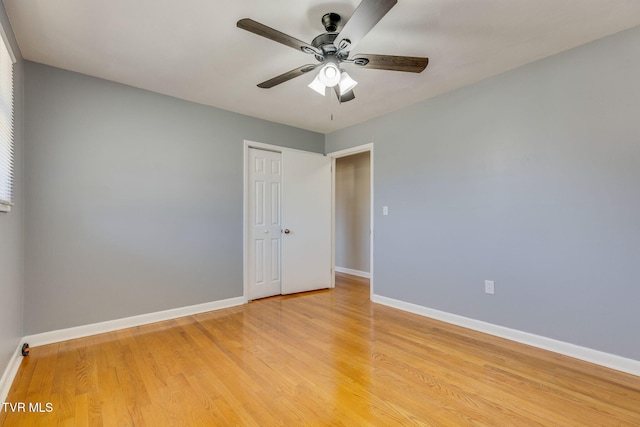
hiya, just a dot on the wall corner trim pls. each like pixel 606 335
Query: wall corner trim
pixel 128 322
pixel 612 361
pixel 10 373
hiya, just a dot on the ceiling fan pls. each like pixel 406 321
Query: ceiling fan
pixel 332 49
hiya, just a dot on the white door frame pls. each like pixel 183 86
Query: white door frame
pixel 335 155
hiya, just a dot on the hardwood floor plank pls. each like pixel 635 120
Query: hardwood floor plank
pixel 329 357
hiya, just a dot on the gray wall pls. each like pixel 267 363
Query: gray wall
pixel 11 229
pixel 530 179
pixel 352 211
pixel 134 199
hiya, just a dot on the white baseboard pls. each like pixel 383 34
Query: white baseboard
pixel 608 360
pixel 128 322
pixel 358 273
pixel 10 373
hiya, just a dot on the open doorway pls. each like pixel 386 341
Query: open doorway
pixel 352 213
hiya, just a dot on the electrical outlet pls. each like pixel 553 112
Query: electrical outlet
pixel 385 210
pixel 489 287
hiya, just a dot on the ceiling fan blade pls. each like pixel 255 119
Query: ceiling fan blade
pixel 275 35
pixel 287 76
pixel 346 97
pixel 410 64
pixel 364 18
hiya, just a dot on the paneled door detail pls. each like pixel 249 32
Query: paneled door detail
pixel 265 219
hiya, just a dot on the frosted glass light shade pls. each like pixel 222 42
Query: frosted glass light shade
pixel 346 83
pixel 318 86
pixel 329 74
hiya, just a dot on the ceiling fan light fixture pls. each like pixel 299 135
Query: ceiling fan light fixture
pixel 346 83
pixel 329 74
pixel 318 86
pixel 332 48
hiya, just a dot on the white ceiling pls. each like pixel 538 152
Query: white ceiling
pixel 191 49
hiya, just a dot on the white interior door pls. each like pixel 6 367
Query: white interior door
pixel 264 217
pixel 306 222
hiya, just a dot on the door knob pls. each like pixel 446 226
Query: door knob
pixel 287 231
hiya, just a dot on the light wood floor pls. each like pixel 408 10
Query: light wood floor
pixel 321 358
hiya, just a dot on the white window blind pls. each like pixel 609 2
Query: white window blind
pixel 6 125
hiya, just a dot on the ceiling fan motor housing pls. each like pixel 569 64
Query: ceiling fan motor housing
pixel 324 42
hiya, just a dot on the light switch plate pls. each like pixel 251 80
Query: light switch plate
pixel 489 287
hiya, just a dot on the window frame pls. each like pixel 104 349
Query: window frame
pixel 9 173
